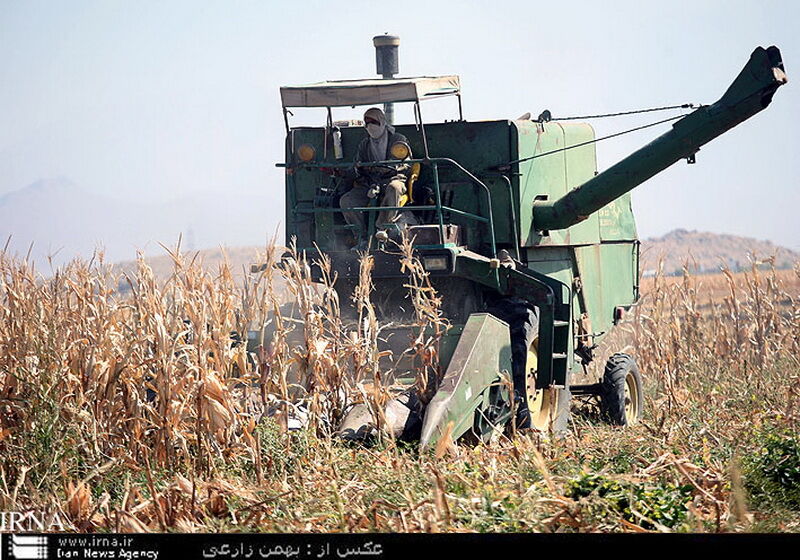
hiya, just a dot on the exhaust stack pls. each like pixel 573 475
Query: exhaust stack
pixel 387 64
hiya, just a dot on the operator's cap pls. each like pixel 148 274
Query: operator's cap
pixel 376 114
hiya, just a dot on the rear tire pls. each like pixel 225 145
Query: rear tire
pixel 621 396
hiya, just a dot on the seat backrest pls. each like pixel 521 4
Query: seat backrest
pixel 412 178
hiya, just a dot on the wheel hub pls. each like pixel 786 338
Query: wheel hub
pixel 631 399
pixel 540 402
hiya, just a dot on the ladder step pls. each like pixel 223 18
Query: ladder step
pixel 560 323
pixel 559 356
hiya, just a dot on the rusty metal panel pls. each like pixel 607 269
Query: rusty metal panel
pixel 552 176
pixel 607 273
pixel 541 177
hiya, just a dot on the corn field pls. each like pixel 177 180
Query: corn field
pixel 140 409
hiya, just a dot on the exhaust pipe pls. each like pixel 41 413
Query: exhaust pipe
pixel 387 64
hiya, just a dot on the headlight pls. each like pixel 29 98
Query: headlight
pixel 400 150
pixel 434 263
pixel 306 152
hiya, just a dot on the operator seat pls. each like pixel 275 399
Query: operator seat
pixel 412 178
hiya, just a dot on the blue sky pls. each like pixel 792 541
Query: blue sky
pixel 158 100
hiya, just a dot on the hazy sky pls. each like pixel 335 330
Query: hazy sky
pixel 157 100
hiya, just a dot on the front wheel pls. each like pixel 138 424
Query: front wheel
pixel 621 397
pixel 547 410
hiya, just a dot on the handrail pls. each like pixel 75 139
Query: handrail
pixel 481 184
pixel 438 206
pixel 512 209
pixel 382 208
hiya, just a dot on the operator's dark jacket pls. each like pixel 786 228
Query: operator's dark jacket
pixel 363 156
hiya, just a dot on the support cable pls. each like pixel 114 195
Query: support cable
pixel 506 166
pixel 623 113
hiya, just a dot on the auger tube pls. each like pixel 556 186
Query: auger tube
pixel 750 93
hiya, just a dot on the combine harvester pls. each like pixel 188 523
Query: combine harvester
pixel 535 254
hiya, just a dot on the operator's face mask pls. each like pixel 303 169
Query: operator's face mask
pixel 375 130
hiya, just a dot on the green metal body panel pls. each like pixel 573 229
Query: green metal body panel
pixel 616 220
pixel 553 176
pixel 609 278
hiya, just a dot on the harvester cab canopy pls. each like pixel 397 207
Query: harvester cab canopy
pixel 344 93
pixel 353 93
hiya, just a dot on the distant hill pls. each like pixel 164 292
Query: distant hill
pixel 707 252
pixel 59 219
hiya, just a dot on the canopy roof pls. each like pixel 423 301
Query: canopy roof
pixel 366 92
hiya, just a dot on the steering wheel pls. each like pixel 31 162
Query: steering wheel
pixel 366 166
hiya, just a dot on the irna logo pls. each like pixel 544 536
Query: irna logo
pixel 32 522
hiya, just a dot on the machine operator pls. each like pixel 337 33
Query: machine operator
pixel 387 183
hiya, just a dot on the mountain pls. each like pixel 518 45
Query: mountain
pixel 707 252
pixel 54 217
pixel 60 220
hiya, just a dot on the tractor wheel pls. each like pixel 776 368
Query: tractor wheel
pixel 545 410
pixel 621 396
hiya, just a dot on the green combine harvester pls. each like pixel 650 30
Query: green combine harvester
pixel 534 252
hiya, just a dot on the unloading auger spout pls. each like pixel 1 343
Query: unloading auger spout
pixel 750 93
